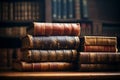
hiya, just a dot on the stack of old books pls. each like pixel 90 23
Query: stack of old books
pixel 98 53
pixel 49 47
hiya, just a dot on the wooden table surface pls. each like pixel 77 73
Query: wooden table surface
pixel 60 75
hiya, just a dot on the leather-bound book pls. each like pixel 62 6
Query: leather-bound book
pixel 54 29
pixel 99 58
pixel 98 40
pixel 49 55
pixel 43 66
pixel 50 42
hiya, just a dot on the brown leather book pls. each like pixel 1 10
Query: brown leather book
pixel 17 54
pixel 99 67
pixel 99 58
pixel 98 40
pixel 96 48
pixel 3 57
pixel 54 29
pixel 50 42
pixel 49 55
pixel 13 31
pixel 6 55
pixel 43 66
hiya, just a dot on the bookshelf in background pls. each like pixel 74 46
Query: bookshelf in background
pixel 15 17
pixel 66 10
pixel 21 11
pixel 100 12
pixel 112 29
pixel 106 28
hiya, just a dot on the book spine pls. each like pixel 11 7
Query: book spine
pixel 55 29
pixel 54 9
pixel 22 31
pixel 99 48
pixel 98 28
pixel 7 12
pixel 6 59
pixel 89 29
pixel 77 9
pixel 99 67
pixel 49 55
pixel 45 66
pixel 59 9
pixel 71 9
pixel 11 11
pixel 3 57
pixel 50 42
pixel 13 31
pixel 100 40
pixel 16 11
pixel 19 11
pixel 24 12
pixel 10 52
pixel 2 32
pixel 64 9
pixel 38 11
pixel 99 58
pixel 17 54
pixel 5 15
pixel 29 10
pixel 84 9
pixel 83 29
pixel 33 11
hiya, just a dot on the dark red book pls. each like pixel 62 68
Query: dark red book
pixel 43 66
pixel 96 48
pixel 54 29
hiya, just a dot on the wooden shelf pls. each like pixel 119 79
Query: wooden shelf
pixel 10 42
pixel 60 75
pixel 72 20
pixel 14 23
